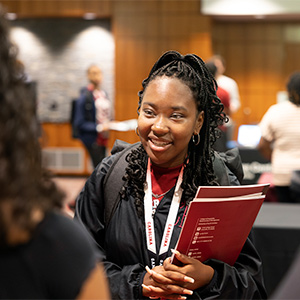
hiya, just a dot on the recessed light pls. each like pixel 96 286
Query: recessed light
pixel 11 16
pixel 89 16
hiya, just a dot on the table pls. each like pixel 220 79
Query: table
pixel 277 238
pixel 254 164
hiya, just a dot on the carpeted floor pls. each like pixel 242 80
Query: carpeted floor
pixel 72 187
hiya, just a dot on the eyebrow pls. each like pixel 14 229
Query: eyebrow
pixel 173 107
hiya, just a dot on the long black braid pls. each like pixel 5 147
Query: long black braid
pixel 199 163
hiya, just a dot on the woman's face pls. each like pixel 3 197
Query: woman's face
pixel 168 119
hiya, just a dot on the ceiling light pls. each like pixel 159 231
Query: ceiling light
pixel 11 16
pixel 89 16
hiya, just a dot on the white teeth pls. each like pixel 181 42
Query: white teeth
pixel 160 144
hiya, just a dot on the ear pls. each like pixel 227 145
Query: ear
pixel 199 122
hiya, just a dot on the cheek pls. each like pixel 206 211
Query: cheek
pixel 183 137
pixel 143 127
pixel 185 131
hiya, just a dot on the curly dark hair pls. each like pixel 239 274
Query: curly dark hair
pixel 293 88
pixel 24 185
pixel 191 70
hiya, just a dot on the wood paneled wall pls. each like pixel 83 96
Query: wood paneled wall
pixel 58 8
pixel 143 30
pixel 259 54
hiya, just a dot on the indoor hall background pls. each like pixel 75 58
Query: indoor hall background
pixel 260 53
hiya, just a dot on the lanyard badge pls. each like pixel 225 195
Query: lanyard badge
pixel 149 224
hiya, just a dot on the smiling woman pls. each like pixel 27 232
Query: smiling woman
pixel 167 121
pixel 179 114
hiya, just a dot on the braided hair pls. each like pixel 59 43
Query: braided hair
pixel 191 70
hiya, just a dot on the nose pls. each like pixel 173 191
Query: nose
pixel 160 125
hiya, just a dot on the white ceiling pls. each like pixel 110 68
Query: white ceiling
pixel 272 9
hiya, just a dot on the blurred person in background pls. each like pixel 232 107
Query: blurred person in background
pixel 92 115
pixel 43 254
pixel 230 85
pixel 280 136
pixel 226 82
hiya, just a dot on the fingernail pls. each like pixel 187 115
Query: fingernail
pixel 146 287
pixel 148 270
pixel 175 251
pixel 188 292
pixel 189 279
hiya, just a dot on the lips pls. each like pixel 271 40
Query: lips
pixel 159 143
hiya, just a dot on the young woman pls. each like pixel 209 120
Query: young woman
pixel 179 114
pixel 38 244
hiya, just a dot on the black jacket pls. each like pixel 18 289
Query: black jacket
pixel 125 254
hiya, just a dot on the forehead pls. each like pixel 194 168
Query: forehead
pixel 94 70
pixel 169 92
pixel 168 86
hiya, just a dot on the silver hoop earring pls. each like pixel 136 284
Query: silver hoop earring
pixel 198 139
pixel 137 131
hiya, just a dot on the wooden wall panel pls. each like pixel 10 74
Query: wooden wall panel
pixel 143 31
pixel 255 56
pixel 260 54
pixel 60 136
pixel 58 8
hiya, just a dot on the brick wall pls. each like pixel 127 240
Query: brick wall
pixel 56 54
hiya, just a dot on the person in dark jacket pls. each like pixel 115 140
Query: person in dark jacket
pixel 92 115
pixel 179 114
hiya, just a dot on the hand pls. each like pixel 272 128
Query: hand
pixel 102 127
pixel 201 273
pixel 159 283
pixel 173 282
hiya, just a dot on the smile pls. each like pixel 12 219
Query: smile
pixel 158 143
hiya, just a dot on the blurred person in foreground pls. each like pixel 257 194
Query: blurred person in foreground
pixel 43 254
pixel 92 115
pixel 280 136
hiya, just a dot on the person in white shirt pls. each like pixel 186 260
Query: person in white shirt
pixel 280 136
pixel 229 85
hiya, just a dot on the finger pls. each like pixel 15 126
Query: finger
pixel 148 288
pixel 177 274
pixel 170 292
pixel 161 278
pixel 181 257
pixel 149 271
